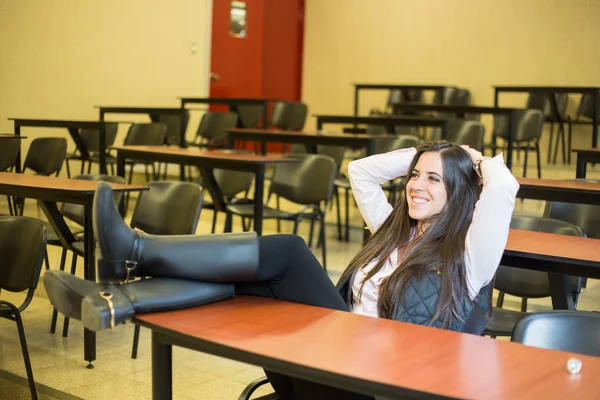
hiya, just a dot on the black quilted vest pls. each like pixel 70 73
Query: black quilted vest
pixel 420 301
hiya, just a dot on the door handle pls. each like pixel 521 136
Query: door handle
pixel 214 76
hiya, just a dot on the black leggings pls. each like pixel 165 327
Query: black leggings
pixel 289 271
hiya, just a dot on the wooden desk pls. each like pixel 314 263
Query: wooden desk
pixel 389 121
pixel 374 356
pixel 207 160
pixel 560 190
pixel 72 126
pixel 49 191
pixel 309 139
pixel 551 92
pixel 585 156
pixel 559 255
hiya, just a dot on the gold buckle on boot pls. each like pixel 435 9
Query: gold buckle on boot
pixel 129 267
pixel 108 297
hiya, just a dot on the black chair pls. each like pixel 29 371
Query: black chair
pixel 142 134
pixel 289 115
pixel 22 249
pixel 584 116
pixel 75 213
pixel 44 157
pixel 91 140
pixel 173 136
pixel 231 184
pixel 467 132
pixel 211 131
pixel 167 208
pixel 529 125
pixel 393 188
pixel 308 183
pixel 523 282
pixel 8 159
pixel 541 101
pixel 8 153
pixel 573 331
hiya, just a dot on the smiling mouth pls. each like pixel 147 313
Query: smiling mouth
pixel 419 200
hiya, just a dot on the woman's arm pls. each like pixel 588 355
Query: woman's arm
pixel 488 232
pixel 366 177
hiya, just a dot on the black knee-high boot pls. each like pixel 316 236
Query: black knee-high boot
pixel 100 306
pixel 125 253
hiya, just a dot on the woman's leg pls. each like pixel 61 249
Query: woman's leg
pixel 289 271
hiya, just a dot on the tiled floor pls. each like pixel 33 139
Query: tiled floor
pixel 58 362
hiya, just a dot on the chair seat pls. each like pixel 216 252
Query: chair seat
pixel 247 210
pixel 342 182
pixel 503 322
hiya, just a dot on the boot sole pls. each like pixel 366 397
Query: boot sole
pixel 63 296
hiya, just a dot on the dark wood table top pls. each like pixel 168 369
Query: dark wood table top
pixel 56 123
pixel 546 88
pixel 592 150
pixel 568 191
pixel 11 136
pixel 139 110
pixel 454 109
pixel 192 152
pixel 278 133
pixel 225 100
pixel 374 355
pixel 400 86
pixel 547 245
pixel 381 119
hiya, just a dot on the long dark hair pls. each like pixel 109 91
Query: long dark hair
pixel 440 248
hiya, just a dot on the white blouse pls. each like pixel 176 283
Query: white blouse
pixel 486 237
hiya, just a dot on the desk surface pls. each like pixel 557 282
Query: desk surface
pixel 59 184
pixel 277 133
pixel 593 150
pixel 562 184
pixel 542 88
pixel 208 154
pixel 454 109
pixel 374 355
pixel 55 123
pixel 567 191
pixel 399 86
pixel 572 249
pixel 139 110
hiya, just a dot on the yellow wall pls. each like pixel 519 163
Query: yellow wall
pixel 60 58
pixel 467 43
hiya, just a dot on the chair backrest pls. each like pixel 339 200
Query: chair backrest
pixel 586 105
pixel 585 216
pixel 541 101
pixel 233 182
pixel 335 152
pixel 46 155
pixel 173 123
pixel 529 124
pixel 459 97
pixel 76 212
pixel 146 134
pixel 168 208
pixel 529 283
pixel 309 181
pixel 573 331
pixel 289 115
pixel 91 137
pixel 467 132
pixel 395 143
pixel 213 125
pixel 22 250
pixel 9 150
pixel 444 96
pixel 249 115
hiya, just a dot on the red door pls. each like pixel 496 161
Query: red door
pixel 265 60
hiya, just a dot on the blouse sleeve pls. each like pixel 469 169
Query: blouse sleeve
pixel 488 233
pixel 366 177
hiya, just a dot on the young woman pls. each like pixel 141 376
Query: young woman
pixel 430 260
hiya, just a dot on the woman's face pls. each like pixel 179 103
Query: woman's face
pixel 425 190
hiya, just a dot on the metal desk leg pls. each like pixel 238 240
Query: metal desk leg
pixel 580 172
pixel 259 187
pixel 89 337
pixel 162 369
pixel 560 288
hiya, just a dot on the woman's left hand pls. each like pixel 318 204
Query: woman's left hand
pixel 475 155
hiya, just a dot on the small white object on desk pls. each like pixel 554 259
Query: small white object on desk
pixel 574 365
